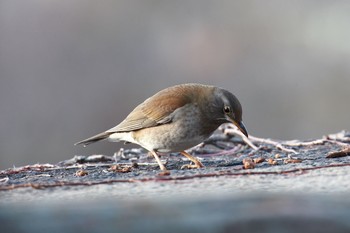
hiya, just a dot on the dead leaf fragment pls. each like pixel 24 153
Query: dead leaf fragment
pixel 272 161
pixel 292 161
pixel 248 163
pixel 119 168
pixel 338 154
pixel 164 173
pixel 81 173
pixel 259 160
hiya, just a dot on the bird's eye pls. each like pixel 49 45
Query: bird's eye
pixel 227 109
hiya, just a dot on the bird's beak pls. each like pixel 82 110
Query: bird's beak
pixel 241 127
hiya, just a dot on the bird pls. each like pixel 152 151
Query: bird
pixel 175 119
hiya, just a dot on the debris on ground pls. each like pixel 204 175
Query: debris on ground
pixel 223 155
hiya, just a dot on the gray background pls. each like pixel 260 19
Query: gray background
pixel 71 69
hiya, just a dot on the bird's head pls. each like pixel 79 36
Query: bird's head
pixel 227 108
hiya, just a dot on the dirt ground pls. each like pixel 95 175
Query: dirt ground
pixel 275 185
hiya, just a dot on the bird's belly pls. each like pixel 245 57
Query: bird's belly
pixel 177 145
pixel 164 139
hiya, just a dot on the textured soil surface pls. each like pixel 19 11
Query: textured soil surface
pixel 277 184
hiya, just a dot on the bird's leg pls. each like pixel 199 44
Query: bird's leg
pixel 197 163
pixel 161 165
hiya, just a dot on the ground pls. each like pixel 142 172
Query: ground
pixel 302 184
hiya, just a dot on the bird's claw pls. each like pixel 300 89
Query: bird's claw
pixel 192 166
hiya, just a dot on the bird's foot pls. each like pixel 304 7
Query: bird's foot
pixel 197 163
pixel 164 173
pixel 192 166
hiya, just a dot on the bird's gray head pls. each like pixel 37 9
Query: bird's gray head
pixel 227 108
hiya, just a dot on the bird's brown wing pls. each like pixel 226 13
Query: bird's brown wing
pixel 154 111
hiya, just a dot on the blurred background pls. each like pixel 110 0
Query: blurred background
pixel 71 69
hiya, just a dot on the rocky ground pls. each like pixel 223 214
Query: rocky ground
pixel 266 187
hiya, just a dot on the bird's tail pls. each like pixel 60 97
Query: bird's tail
pixel 96 138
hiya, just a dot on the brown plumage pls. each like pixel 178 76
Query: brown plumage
pixel 175 119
